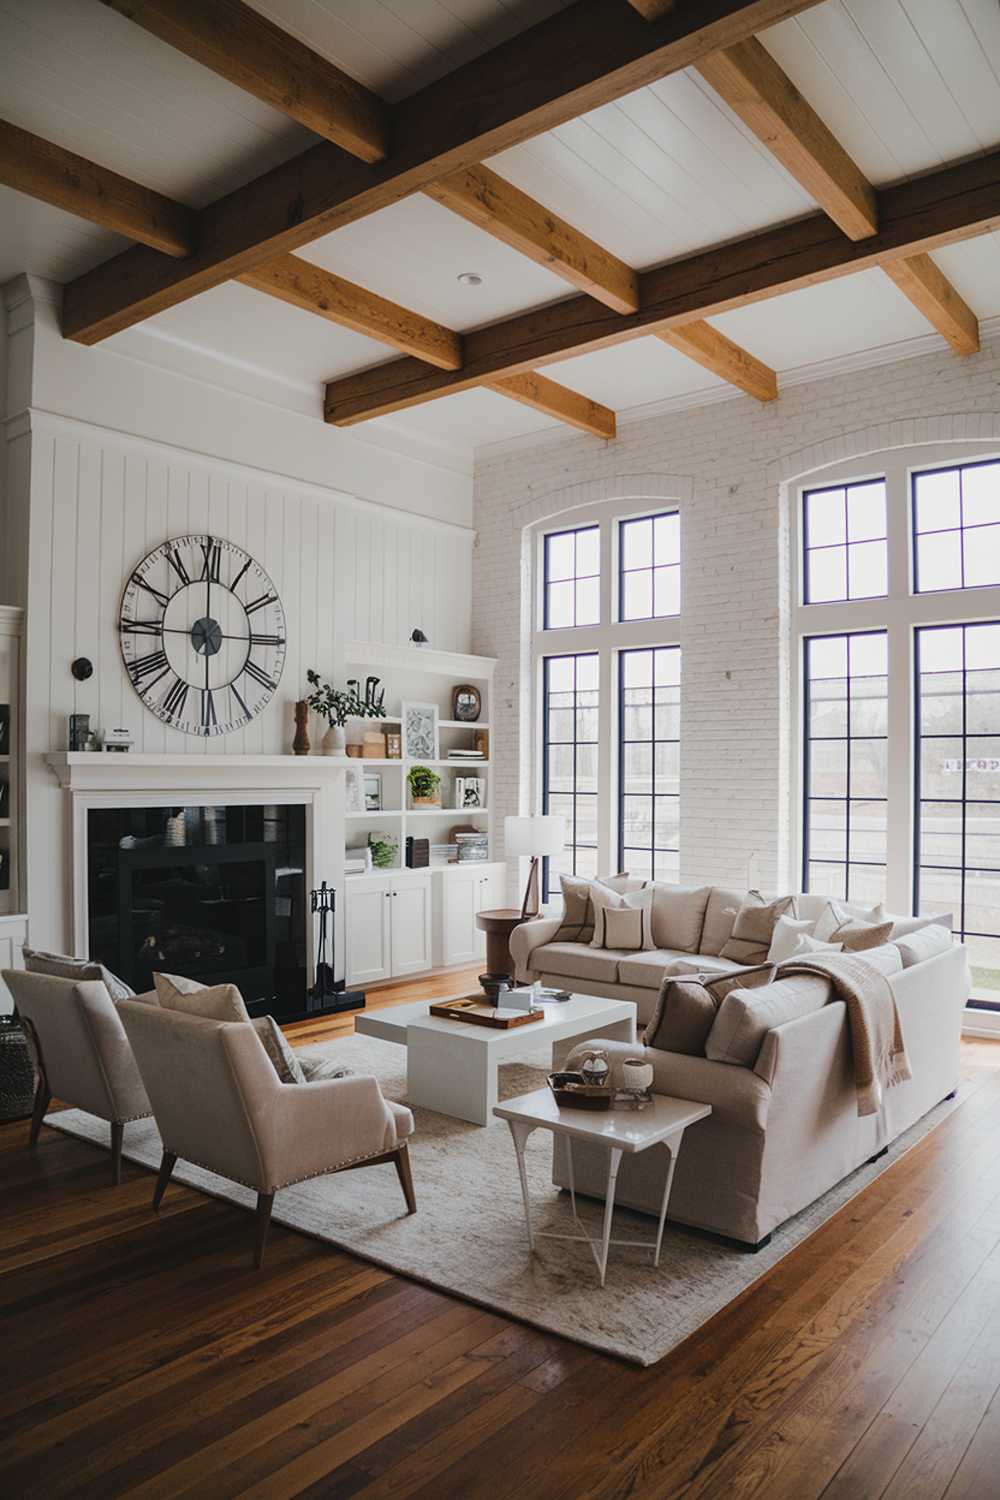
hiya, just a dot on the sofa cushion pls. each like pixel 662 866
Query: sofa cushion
pixel 217 1002
pixel 283 1059
pixel 720 914
pixel 925 943
pixel 754 927
pixel 622 921
pixel 578 961
pixel 903 926
pixel 887 959
pixel 836 913
pixel 679 915
pixel 747 1015
pixel 701 963
pixel 63 966
pixel 688 1007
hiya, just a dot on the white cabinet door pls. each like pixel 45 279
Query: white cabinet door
pixel 410 914
pixel 462 941
pixel 368 929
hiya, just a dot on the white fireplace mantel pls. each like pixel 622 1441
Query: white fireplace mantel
pixel 127 771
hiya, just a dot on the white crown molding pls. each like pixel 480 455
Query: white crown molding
pixel 824 369
pixel 50 421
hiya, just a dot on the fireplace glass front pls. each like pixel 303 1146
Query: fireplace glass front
pixel 215 894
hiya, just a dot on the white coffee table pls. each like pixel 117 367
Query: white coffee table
pixel 661 1123
pixel 451 1066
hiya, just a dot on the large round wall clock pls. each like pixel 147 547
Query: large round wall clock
pixel 202 634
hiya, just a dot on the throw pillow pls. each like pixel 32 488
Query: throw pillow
pixel 754 927
pixel 679 915
pixel 927 942
pixel 317 1067
pixel 623 921
pixel 62 966
pixel 720 914
pixel 219 1002
pixel 746 1016
pixel 855 937
pixel 578 908
pixel 273 1040
pixel 687 1007
pixel 785 938
pixel 836 913
pixel 903 926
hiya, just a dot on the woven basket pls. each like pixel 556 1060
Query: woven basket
pixel 17 1072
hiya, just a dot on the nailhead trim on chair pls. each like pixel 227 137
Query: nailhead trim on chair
pixel 253 1186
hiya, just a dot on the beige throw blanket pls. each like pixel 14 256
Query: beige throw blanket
pixel 880 1060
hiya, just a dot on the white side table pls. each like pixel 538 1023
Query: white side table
pixel 662 1123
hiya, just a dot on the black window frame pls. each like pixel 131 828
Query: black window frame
pixel 651 568
pixel 807 740
pixel 958 530
pixel 825 489
pixel 574 578
pixel 960 930
pixel 547 742
pixel 653 741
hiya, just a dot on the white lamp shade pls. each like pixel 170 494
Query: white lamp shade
pixel 539 835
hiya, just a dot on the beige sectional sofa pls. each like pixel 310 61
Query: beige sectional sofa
pixel 786 1129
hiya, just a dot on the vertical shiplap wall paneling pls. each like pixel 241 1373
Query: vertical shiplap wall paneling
pixel 249 498
pixel 344 572
pixel 108 583
pixel 87 626
pixel 66 499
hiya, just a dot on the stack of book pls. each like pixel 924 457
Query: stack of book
pixel 466 755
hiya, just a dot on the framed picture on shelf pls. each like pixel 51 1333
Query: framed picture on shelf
pixel 420 731
pixel 373 791
pixel 354 793
pixel 470 791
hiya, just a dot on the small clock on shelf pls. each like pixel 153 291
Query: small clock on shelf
pixel 202 634
pixel 467 703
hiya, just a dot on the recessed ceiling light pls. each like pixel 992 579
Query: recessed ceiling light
pixel 470 278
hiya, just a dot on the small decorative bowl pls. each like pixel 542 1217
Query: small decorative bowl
pixel 570 1090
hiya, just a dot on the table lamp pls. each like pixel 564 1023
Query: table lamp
pixel 535 837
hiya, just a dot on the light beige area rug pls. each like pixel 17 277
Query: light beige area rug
pixel 468 1235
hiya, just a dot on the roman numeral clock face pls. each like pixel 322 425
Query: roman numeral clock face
pixel 203 635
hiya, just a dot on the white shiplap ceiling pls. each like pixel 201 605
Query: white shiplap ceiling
pixel 904 84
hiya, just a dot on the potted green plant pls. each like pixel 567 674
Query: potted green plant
pixel 384 849
pixel 336 706
pixel 425 787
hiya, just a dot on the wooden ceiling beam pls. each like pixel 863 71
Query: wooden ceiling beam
pixel 546 395
pixel 652 10
pixel 930 291
pixel 749 80
pixel 578 58
pixel 491 203
pixel 315 290
pixel 954 203
pixel 252 52
pixel 714 351
pixel 70 182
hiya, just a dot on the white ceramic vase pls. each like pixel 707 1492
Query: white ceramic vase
pixel 335 740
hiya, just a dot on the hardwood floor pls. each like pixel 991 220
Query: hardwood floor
pixel 143 1356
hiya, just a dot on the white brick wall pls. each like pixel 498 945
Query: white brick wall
pixel 737 459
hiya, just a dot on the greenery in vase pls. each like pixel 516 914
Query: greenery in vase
pixel 384 848
pixel 336 705
pixel 423 781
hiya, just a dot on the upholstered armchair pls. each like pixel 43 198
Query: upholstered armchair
pixel 219 1103
pixel 82 1055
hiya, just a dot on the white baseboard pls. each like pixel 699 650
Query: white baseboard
pixel 981 1023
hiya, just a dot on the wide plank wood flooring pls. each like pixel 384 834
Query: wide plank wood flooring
pixel 142 1356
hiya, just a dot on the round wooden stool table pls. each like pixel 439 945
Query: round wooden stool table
pixel 498 926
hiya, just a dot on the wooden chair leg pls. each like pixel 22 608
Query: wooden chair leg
pixel 402 1157
pixel 42 1101
pixel 265 1202
pixel 167 1163
pixel 117 1140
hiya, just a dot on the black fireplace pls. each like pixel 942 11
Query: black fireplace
pixel 217 894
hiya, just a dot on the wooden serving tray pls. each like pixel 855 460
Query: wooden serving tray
pixel 471 1009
